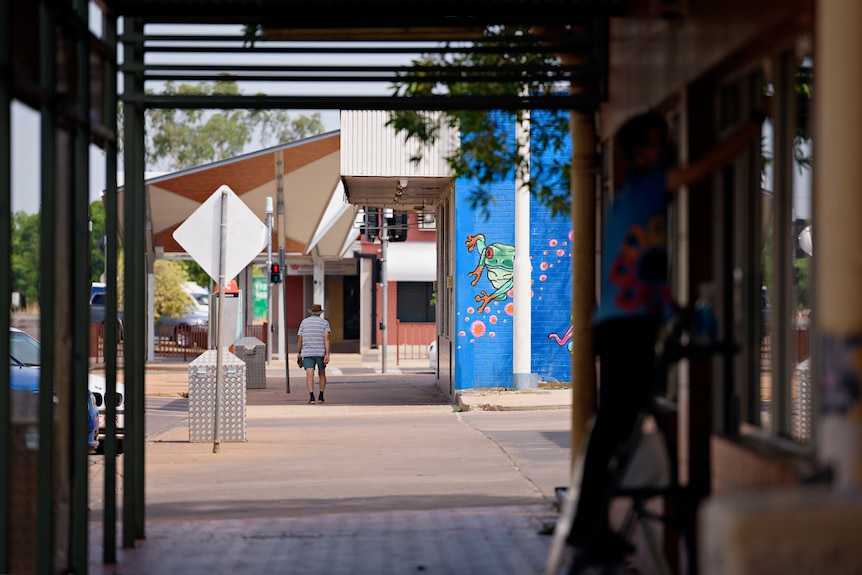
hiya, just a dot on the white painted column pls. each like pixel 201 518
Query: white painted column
pixel 522 300
pixel 268 208
pixel 319 282
pixel 281 328
pixel 837 235
pixel 384 289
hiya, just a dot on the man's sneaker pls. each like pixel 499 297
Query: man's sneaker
pixel 311 399
pixel 320 398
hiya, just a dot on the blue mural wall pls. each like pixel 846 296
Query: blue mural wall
pixel 484 248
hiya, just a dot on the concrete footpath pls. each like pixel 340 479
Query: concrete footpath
pixel 170 379
pixel 387 477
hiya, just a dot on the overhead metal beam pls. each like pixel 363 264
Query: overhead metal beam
pixel 453 77
pixel 562 102
pixel 456 40
pixel 351 16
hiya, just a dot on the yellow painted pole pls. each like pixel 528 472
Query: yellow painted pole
pixel 582 130
pixel 837 236
pixel 583 185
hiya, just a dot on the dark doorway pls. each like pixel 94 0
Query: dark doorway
pixel 414 301
pixel 351 307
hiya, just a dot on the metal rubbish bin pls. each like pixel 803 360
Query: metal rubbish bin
pixel 202 398
pixel 253 352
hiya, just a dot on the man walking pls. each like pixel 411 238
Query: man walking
pixel 313 349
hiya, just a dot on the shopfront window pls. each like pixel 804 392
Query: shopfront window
pixel 786 390
pixel 801 397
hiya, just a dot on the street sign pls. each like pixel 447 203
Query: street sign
pixel 200 234
pixel 223 235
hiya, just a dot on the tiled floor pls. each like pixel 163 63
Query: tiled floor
pixel 468 541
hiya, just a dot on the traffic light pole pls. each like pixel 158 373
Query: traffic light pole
pixel 286 355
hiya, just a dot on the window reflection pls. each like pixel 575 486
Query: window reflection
pixel 801 384
pixel 778 299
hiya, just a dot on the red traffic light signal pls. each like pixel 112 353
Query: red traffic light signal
pixel 275 274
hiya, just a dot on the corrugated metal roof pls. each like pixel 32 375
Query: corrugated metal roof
pixel 370 147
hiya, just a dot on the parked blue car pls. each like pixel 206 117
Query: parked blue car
pixel 25 377
pixel 22 376
pixel 28 350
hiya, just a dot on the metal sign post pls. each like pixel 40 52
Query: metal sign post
pixel 240 239
pixel 220 320
pixel 281 263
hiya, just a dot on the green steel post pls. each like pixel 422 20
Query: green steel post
pixel 134 215
pixel 140 298
pixel 5 265
pixel 109 519
pixel 129 320
pixel 47 278
pixel 80 272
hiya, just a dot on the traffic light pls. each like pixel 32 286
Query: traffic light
pixel 371 223
pixel 275 274
pixel 397 227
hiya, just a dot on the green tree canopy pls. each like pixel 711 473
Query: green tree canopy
pixel 25 250
pixel 195 272
pixel 25 255
pixel 170 299
pixel 97 241
pixel 488 153
pixel 184 138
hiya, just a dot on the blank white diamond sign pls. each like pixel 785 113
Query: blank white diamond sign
pixel 200 234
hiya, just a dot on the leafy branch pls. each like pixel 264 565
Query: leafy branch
pixel 488 152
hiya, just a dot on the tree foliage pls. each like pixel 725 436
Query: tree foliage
pixel 169 298
pixel 25 255
pixel 184 138
pixel 97 241
pixel 195 272
pixel 488 152
pixel 26 235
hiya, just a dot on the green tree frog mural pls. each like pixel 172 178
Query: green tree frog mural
pixel 498 261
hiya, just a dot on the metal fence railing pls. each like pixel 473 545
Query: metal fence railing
pixel 413 339
pixel 179 341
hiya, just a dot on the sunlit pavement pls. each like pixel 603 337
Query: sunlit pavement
pixel 387 476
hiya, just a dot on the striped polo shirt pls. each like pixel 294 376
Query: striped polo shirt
pixel 312 330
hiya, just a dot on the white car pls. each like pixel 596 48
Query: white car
pixel 432 355
pixel 27 350
pixel 97 385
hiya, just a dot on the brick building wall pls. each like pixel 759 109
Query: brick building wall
pixel 484 324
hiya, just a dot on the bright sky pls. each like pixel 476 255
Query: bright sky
pixel 26 125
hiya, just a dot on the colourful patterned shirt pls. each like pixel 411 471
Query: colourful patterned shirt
pixel 634 251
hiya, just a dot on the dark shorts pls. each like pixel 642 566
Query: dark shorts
pixel 313 360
